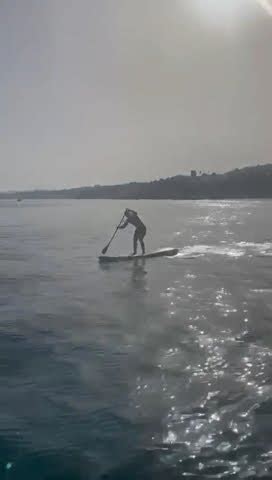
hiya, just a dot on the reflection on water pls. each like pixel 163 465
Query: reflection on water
pixel 138 275
pixel 209 388
pixel 138 272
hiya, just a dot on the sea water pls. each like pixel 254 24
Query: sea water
pixel 139 370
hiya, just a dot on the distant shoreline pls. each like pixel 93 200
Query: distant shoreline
pixel 239 184
pixel 138 199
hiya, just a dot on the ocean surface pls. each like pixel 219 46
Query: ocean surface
pixel 140 370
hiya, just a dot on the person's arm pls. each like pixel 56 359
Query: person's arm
pixel 124 225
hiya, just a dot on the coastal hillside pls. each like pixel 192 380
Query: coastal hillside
pixel 249 182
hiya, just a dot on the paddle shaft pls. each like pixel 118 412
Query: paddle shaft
pixel 107 246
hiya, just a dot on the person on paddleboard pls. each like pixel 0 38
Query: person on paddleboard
pixel 140 229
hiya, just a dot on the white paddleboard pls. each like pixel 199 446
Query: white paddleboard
pixel 166 252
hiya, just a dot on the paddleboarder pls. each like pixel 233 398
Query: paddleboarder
pixel 140 229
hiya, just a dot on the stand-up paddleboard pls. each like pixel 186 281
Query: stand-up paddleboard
pixel 166 252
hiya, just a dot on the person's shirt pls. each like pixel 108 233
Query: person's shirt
pixel 133 220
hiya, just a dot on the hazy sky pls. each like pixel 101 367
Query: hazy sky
pixel 106 91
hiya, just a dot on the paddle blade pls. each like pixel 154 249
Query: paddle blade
pixel 116 230
pixel 105 249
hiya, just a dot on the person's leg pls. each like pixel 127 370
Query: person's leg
pixel 141 239
pixel 135 241
pixel 142 245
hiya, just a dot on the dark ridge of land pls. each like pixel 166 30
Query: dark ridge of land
pixel 249 182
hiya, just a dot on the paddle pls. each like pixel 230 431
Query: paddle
pixel 107 246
